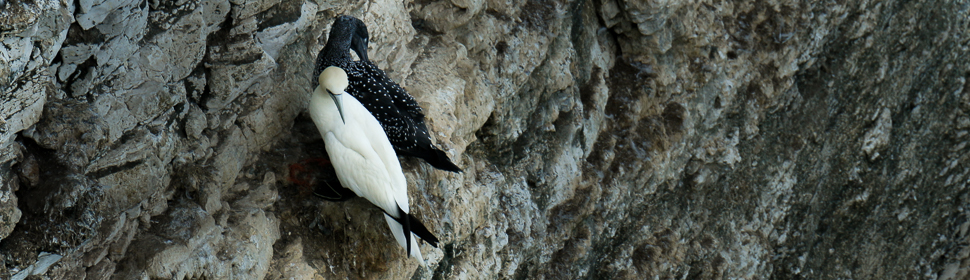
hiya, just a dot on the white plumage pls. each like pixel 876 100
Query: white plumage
pixel 361 154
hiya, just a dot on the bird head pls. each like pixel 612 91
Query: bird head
pixel 359 42
pixel 334 80
pixel 348 31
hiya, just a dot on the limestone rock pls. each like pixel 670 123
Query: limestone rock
pixel 616 139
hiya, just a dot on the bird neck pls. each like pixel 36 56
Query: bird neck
pixel 337 48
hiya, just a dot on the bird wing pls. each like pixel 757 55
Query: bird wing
pixel 361 170
pixel 381 146
pixel 371 77
pixel 403 100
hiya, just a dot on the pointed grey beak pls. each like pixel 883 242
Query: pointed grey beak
pixel 340 108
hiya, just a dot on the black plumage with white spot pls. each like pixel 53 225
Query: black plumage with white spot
pixel 397 111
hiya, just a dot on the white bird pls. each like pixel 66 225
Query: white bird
pixel 363 157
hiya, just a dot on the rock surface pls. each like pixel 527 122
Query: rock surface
pixel 619 139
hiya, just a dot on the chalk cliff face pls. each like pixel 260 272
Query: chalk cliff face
pixel 620 139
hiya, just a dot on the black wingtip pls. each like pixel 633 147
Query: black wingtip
pixel 406 222
pixel 417 228
pixel 441 161
pixel 421 231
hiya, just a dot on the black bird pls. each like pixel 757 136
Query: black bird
pixel 397 111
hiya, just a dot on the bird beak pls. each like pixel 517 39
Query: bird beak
pixel 340 108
